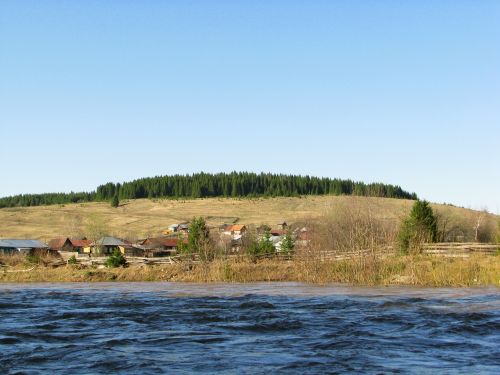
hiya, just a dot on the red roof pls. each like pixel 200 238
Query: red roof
pixel 57 243
pixel 79 243
pixel 170 242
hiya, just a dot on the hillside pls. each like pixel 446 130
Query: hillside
pixel 207 185
pixel 144 217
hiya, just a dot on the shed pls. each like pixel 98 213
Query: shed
pixel 13 246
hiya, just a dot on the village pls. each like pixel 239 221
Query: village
pixel 229 238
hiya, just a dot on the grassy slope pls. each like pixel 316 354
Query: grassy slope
pixel 139 218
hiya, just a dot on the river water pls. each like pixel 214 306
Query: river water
pixel 156 328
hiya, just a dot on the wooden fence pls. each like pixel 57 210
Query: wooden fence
pixel 460 249
pixel 446 249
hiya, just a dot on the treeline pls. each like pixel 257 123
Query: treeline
pixel 244 184
pixel 26 200
pixel 201 185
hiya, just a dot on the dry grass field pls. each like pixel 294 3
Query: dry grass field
pixel 419 270
pixel 144 217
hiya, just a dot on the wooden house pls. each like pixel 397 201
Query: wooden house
pixel 68 244
pixel 107 245
pixel 235 230
pixel 161 246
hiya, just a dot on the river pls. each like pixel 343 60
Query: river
pixel 261 328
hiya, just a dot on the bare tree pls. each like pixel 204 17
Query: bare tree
pixel 73 226
pixel 478 222
pixel 95 227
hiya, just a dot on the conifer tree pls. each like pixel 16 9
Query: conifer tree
pixel 418 228
pixel 115 202
pixel 287 244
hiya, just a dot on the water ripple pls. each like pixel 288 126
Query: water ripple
pixel 258 328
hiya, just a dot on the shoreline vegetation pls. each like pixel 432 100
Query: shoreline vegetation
pixel 365 270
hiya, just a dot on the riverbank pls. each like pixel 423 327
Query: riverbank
pixel 417 270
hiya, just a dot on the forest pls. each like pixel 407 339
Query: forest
pixel 203 185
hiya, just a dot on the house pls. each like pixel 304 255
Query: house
pixel 235 230
pixel 107 245
pixel 183 228
pixel 68 244
pixel 160 246
pixel 303 237
pixel 14 246
pixel 277 233
pixel 171 229
pixel 282 225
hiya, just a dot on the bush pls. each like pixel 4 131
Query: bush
pixel 420 227
pixel 116 259
pixel 72 260
pixel 263 246
pixel 33 258
pixel 352 226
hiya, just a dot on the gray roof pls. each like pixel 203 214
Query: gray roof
pixel 22 244
pixel 111 241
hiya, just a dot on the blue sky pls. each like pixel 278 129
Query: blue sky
pixel 391 91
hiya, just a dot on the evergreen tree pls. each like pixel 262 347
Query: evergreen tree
pixel 198 235
pixel 287 244
pixel 266 246
pixel 116 259
pixel 418 228
pixel 115 202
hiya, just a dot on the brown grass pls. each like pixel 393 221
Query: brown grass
pixel 339 225
pixel 143 217
pixel 420 270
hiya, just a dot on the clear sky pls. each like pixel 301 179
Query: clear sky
pixel 403 92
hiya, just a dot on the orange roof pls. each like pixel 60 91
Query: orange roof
pixel 235 228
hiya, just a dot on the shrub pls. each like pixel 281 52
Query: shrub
pixel 33 258
pixel 116 259
pixel 72 260
pixel 263 246
pixel 352 226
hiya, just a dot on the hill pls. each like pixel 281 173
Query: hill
pixel 205 185
pixel 144 217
